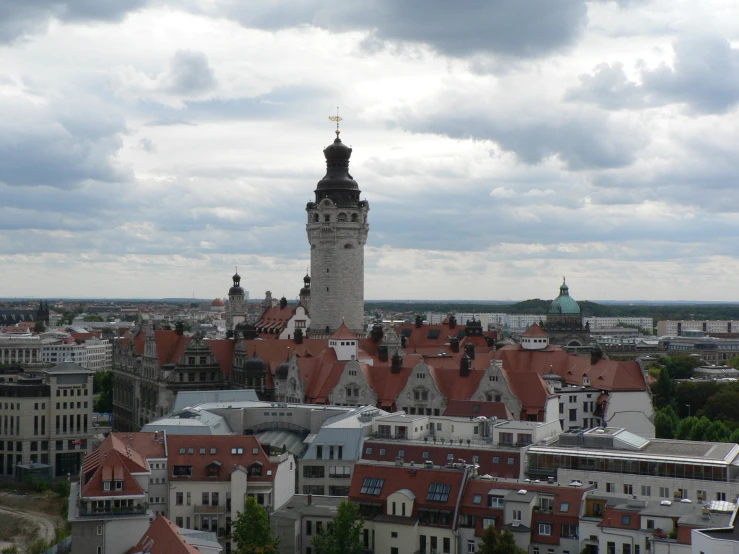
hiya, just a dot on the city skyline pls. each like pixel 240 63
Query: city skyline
pixel 153 146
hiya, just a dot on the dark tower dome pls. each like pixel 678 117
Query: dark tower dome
pixel 236 288
pixel 305 291
pixel 255 364
pixel 338 184
pixel 281 370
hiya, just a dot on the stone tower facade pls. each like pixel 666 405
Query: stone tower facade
pixel 337 232
pixel 236 312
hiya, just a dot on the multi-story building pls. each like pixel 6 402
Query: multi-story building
pixel 94 354
pixel 20 349
pixel 676 328
pixel 337 230
pixel 301 518
pixel 712 350
pixel 625 524
pixel 617 462
pixel 606 322
pixel 45 418
pixel 210 478
pixel 109 507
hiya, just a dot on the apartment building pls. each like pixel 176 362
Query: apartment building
pixel 45 420
pixel 210 478
pixel 109 507
pixel 93 354
pixel 617 462
pixel 676 328
pixel 408 509
pixel 302 518
pixel 625 525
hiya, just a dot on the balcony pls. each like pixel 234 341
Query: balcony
pixel 208 509
pixel 83 510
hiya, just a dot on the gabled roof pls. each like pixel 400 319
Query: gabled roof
pixel 224 445
pixel 275 318
pixel 571 497
pixel 163 537
pixel 114 460
pixel 535 331
pixel 343 333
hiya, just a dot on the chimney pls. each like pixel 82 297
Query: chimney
pixel 377 332
pixel 309 499
pixel 403 341
pixel 455 344
pixel 469 350
pixel 452 322
pixel 179 328
pixel 382 352
pixel 464 366
pixel 283 303
pixel 397 363
pixel 298 336
pixel 419 321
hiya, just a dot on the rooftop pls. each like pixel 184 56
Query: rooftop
pixel 301 505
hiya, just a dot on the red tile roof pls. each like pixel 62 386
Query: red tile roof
pixel 224 446
pixel 535 331
pixel 113 461
pixel 274 319
pixel 343 333
pixel 162 537
pixel 474 408
pixel 416 479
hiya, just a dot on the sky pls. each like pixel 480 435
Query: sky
pixel 149 146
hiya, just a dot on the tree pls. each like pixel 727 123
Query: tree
pixel 665 423
pixel 104 382
pixel 39 326
pixel 251 531
pixel 344 533
pixel 724 405
pixel 699 430
pixel 494 542
pixel 685 427
pixel 717 432
pixel 663 388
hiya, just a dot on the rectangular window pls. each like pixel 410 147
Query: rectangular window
pixel 646 490
pixel 178 522
pixel 573 414
pixel 308 527
pixel 447 548
pixel 206 498
pixel 628 489
pixel 100 529
pixel 611 487
pixel 188 501
pixel 545 529
pixel 664 492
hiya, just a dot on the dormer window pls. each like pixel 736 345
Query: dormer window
pixel 119 485
pixel 213 469
pixel 106 485
pixel 255 470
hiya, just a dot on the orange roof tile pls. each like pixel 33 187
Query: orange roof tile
pixel 162 537
pixel 535 331
pixel 343 333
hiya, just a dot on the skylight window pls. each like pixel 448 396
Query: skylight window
pixel 182 450
pixel 212 450
pixel 438 493
pixel 372 486
pixel 477 499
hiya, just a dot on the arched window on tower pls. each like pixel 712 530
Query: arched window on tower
pixel 355 217
pixel 342 216
pixel 315 218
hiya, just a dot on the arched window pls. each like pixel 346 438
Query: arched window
pixel 342 217
pixel 327 218
pixel 355 217
pixel 315 218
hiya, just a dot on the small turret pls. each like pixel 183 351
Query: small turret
pixel 397 363
pixel 465 366
pixel 469 350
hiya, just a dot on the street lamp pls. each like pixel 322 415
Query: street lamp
pixel 688 405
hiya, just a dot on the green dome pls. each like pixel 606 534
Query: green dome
pixel 564 303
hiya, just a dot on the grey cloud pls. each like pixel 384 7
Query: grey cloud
pixel 705 77
pixel 524 28
pixel 19 18
pixel 190 73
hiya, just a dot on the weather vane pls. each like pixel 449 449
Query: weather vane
pixel 336 118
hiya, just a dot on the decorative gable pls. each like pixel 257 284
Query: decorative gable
pixel 494 387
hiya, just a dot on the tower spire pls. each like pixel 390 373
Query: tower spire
pixel 336 118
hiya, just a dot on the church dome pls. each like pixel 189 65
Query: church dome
pixel 281 370
pixel 217 303
pixel 255 364
pixel 337 168
pixel 564 303
pixel 236 289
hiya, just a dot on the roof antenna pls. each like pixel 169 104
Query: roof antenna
pixel 336 118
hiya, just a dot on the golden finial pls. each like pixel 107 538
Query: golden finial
pixel 336 118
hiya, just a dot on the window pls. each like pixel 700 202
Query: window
pixel 496 501
pixel 650 524
pixel 214 499
pixel 372 486
pixel 573 414
pixel 611 487
pixel 368 451
pixel 382 453
pixel 664 492
pixel 119 485
pixel 496 460
pixel 546 503
pixel 188 503
pixel 628 489
pixel 625 519
pixel 308 527
pixel 471 547
pixel 339 472
pixel 646 490
pixel 545 529
pixel 511 461
pixel 438 493
pixel 477 499
pixel 206 498
pixel 447 545
pixel 106 485
pixel 721 496
pixel 564 507
pixel 178 499
pixel 568 531
pixel 313 472
pixel 517 515
pixel 100 530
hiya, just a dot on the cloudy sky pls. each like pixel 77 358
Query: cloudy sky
pixel 149 146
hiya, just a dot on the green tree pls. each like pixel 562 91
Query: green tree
pixel 104 381
pixel 685 427
pixel 39 326
pixel 724 405
pixel 344 533
pixel 494 542
pixel 717 432
pixel 700 429
pixel 734 437
pixel 666 422
pixel 663 388
pixel 251 531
